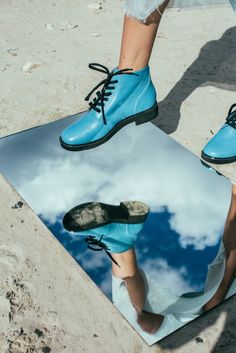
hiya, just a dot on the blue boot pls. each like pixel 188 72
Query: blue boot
pixel 126 97
pixel 222 147
pixel 107 227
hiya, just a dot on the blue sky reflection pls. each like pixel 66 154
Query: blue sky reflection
pixel 188 203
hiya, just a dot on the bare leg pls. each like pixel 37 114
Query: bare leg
pixel 230 246
pixel 138 39
pixel 129 271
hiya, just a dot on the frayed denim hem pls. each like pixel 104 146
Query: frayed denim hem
pixel 141 9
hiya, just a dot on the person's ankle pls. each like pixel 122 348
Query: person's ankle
pixel 133 67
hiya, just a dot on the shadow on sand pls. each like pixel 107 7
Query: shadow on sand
pixel 193 331
pixel 215 66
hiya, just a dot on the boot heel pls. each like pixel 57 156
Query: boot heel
pixel 146 116
pixel 137 211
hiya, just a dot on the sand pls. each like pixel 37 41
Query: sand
pixel 47 303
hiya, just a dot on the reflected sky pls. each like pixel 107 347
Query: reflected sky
pixel 188 203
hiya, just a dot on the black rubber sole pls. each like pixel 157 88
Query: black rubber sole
pixel 138 119
pixel 218 160
pixel 91 215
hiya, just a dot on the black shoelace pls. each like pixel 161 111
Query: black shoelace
pixel 103 94
pixel 98 245
pixel 231 118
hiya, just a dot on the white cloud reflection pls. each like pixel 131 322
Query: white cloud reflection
pixel 169 279
pixel 139 163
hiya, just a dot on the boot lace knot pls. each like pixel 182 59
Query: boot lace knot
pixel 98 103
pixel 98 245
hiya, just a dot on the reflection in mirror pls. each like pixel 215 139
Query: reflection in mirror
pixel 152 226
pixel 115 229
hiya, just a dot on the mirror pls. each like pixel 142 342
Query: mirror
pixel 152 226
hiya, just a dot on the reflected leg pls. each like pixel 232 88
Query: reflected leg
pixel 129 272
pixel 136 288
pixel 229 239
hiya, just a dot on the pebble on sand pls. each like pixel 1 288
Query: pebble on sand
pixel 95 6
pixel 50 26
pixel 29 66
pixel 68 25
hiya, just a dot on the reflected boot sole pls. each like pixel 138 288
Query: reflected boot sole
pixel 206 158
pixel 91 215
pixel 191 295
pixel 211 169
pixel 138 119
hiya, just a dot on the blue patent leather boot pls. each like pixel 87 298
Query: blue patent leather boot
pixel 125 97
pixel 222 146
pixel 107 227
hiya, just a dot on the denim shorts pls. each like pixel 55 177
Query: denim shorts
pixel 141 9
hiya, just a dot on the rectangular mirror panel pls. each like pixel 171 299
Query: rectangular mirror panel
pixel 141 215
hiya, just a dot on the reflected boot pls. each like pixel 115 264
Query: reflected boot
pixel 125 97
pixel 222 147
pixel 107 227
pixel 210 168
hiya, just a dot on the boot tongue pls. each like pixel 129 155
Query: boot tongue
pixel 115 69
